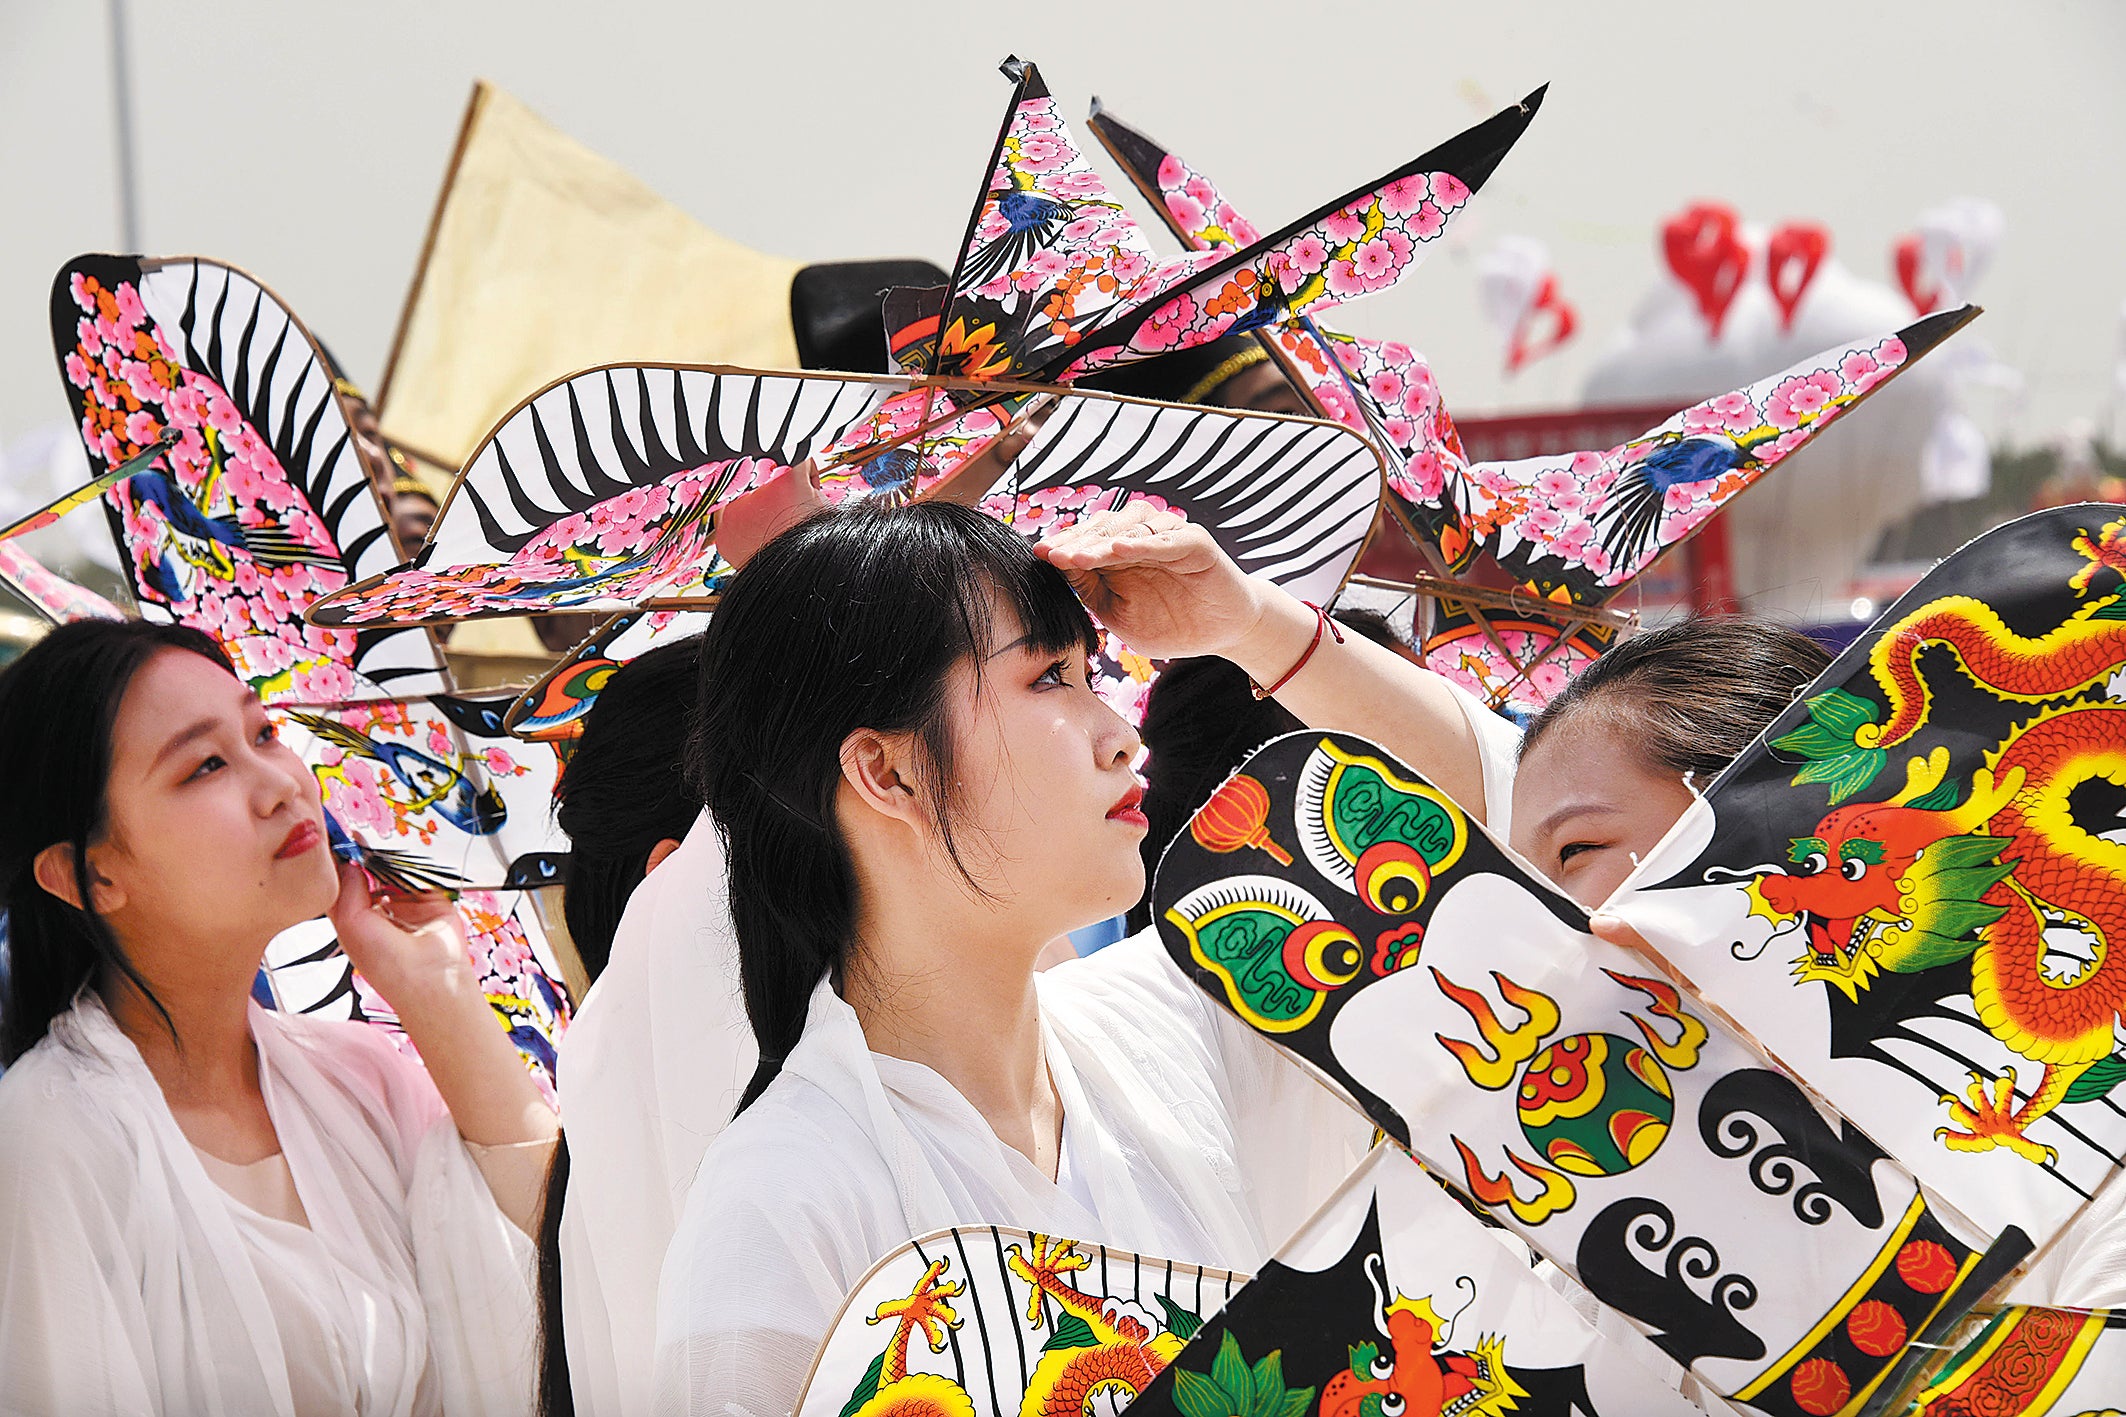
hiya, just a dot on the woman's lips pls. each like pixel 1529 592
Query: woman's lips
pixel 1127 809
pixel 303 837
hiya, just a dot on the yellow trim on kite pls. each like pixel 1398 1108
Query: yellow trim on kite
pixel 1225 974
pixel 1836 1314
pixel 1345 760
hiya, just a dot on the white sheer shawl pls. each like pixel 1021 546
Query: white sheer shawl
pixel 134 1284
pixel 1197 1141
pixel 651 1068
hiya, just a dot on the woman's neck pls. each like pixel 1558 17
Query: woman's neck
pixel 211 1054
pixel 968 1014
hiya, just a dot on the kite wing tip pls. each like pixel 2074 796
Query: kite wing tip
pixel 1928 331
pixel 1534 101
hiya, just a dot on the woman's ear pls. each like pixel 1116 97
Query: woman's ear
pixel 53 868
pixel 879 769
pixel 664 847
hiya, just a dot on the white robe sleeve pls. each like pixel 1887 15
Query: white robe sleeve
pixel 1294 1137
pixel 473 1267
pixel 652 1067
pixel 1498 751
pixel 74 1332
pixel 766 1248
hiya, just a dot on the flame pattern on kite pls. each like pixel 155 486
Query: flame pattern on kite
pixel 1467 1012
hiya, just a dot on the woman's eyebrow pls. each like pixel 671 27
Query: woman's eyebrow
pixel 1551 823
pixel 189 735
pixel 1023 642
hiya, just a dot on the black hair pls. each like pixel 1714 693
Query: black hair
pixel 850 620
pixel 1173 377
pixel 556 1391
pixel 625 790
pixel 58 704
pixel 1201 720
pixel 1696 693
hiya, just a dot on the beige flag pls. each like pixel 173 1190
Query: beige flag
pixel 543 258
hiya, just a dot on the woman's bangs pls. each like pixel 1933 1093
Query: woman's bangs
pixel 1047 609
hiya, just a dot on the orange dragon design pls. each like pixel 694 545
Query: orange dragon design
pixel 898 1392
pixel 1098 1356
pixel 2001 874
pixel 1417 1375
pixel 1108 1373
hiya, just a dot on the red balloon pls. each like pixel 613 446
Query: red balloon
pixel 1791 257
pixel 1708 256
pixel 1531 344
pixel 1910 258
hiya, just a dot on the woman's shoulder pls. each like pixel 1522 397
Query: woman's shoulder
pixel 794 1147
pixel 794 1186
pixel 1128 988
pixel 58 1114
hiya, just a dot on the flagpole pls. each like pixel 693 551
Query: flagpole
pixel 122 122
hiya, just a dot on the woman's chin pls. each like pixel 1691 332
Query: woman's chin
pixel 309 885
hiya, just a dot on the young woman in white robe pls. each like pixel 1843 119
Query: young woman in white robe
pixel 206 1207
pixel 919 790
pixel 658 1052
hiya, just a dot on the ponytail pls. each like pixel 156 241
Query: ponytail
pixel 557 1397
pixel 811 941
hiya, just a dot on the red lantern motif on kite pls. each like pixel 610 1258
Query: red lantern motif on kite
pixel 1238 815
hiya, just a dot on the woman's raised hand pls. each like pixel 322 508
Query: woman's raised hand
pixel 412 949
pixel 402 944
pixel 1158 581
pixel 753 520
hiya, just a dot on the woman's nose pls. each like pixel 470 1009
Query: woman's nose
pixel 1122 742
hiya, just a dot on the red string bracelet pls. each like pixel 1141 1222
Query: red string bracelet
pixel 1321 622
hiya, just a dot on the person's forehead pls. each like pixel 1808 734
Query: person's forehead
pixel 177 683
pixel 1588 759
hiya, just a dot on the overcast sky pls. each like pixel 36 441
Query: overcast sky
pixel 305 142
